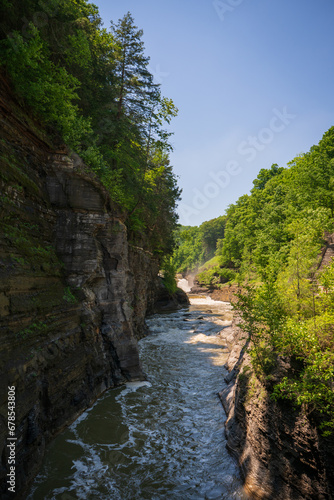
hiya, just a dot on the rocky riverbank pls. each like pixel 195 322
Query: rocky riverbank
pixel 280 450
pixel 225 293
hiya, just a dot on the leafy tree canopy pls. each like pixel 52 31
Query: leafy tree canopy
pixel 92 88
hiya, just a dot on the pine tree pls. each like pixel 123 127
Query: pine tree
pixel 136 91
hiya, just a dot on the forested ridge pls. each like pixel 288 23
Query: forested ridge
pixel 272 247
pixel 91 88
pixel 196 245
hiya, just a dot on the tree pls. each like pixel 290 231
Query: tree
pixel 136 91
pixel 312 174
pixel 265 175
pixel 211 231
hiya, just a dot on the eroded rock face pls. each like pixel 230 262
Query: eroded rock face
pixel 73 292
pixel 280 451
pixel 92 242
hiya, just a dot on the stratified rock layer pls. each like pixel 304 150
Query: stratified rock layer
pixel 73 292
pixel 280 451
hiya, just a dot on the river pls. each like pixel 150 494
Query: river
pixel 158 439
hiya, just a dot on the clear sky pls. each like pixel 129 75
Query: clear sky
pixel 253 81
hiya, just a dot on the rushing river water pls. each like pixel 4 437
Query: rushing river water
pixel 160 439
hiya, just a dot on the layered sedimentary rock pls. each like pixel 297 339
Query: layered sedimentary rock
pixel 279 448
pixel 73 291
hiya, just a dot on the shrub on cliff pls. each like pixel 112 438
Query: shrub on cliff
pixel 302 334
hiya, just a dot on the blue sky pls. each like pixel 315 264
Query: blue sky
pixel 253 81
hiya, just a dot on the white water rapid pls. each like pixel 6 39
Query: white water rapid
pixel 158 439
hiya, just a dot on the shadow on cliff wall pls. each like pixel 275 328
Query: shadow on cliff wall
pixel 276 445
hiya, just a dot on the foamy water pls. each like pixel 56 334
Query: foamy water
pixel 158 439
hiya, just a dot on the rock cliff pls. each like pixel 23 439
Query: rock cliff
pixel 279 448
pixel 74 291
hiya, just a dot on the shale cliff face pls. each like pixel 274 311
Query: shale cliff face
pixel 280 451
pixel 72 301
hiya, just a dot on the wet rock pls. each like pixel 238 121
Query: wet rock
pixel 167 302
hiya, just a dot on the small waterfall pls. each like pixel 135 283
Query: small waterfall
pixel 186 283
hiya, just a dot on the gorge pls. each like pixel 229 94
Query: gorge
pixel 111 381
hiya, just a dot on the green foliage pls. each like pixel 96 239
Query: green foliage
pixel 93 89
pixel 38 327
pixel 263 315
pixel 68 296
pixel 10 172
pixel 308 342
pixel 195 245
pixel 189 253
pixel 274 238
pixel 215 276
pixel 260 226
pixel 46 87
pixel 296 280
pixel 211 231
pixel 312 343
pixel 265 175
pixel 29 248
pixel 169 271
